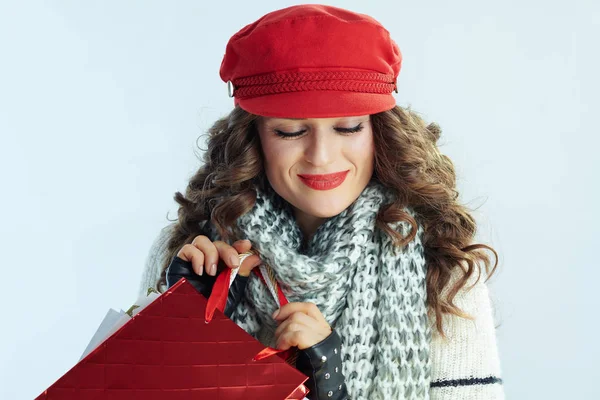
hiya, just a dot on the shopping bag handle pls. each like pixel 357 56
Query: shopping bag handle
pixel 218 300
pixel 218 297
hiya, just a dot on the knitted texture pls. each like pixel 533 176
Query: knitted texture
pixel 465 365
pixel 373 293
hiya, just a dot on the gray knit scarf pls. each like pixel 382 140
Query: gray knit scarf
pixel 371 292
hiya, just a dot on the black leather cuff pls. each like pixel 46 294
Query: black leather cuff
pixel 322 363
pixel 204 283
pixel 180 268
pixel 236 292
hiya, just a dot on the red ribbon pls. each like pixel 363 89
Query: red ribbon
pixel 298 394
pixel 218 296
pixel 218 300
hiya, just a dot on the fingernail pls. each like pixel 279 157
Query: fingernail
pixel 234 261
pixel 275 314
pixel 213 269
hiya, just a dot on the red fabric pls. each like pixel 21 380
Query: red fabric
pixel 283 82
pixel 168 351
pixel 312 61
pixel 218 296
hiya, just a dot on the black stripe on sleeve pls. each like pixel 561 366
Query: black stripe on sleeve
pixel 467 382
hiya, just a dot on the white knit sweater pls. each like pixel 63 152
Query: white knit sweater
pixel 465 365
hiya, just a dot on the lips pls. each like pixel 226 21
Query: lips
pixel 325 177
pixel 324 182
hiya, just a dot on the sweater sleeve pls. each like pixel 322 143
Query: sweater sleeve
pixel 155 260
pixel 466 364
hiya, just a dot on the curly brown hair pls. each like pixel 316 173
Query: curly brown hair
pixel 407 160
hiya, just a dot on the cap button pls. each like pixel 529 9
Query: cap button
pixel 230 88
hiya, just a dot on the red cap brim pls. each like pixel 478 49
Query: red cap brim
pixel 318 104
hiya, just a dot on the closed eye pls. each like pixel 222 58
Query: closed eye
pixel 357 128
pixel 346 131
pixel 289 134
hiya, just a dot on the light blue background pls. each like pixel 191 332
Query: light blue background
pixel 101 104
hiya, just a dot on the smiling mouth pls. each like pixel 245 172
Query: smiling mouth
pixel 324 182
pixel 324 177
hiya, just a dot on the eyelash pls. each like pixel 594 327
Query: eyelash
pixel 343 131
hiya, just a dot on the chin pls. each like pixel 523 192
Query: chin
pixel 325 213
pixel 328 209
pixel 320 204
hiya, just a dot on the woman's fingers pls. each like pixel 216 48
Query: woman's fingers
pixel 205 255
pixel 296 322
pixel 301 325
pixel 191 253
pixel 291 339
pixel 227 253
pixel 250 262
pixel 210 251
pixel 309 309
pixel 242 246
pixel 299 336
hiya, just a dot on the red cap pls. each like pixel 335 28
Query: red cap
pixel 312 61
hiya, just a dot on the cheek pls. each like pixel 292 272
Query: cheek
pixel 279 156
pixel 283 150
pixel 361 150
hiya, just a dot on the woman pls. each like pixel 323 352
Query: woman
pixel 350 209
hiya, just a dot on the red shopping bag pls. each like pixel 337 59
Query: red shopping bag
pixel 170 351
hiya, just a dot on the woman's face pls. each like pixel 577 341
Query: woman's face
pixel 316 146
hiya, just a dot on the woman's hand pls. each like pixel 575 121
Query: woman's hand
pixel 205 255
pixel 301 325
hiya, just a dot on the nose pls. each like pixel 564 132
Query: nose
pixel 320 148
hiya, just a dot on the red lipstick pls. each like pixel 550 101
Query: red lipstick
pixel 324 182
